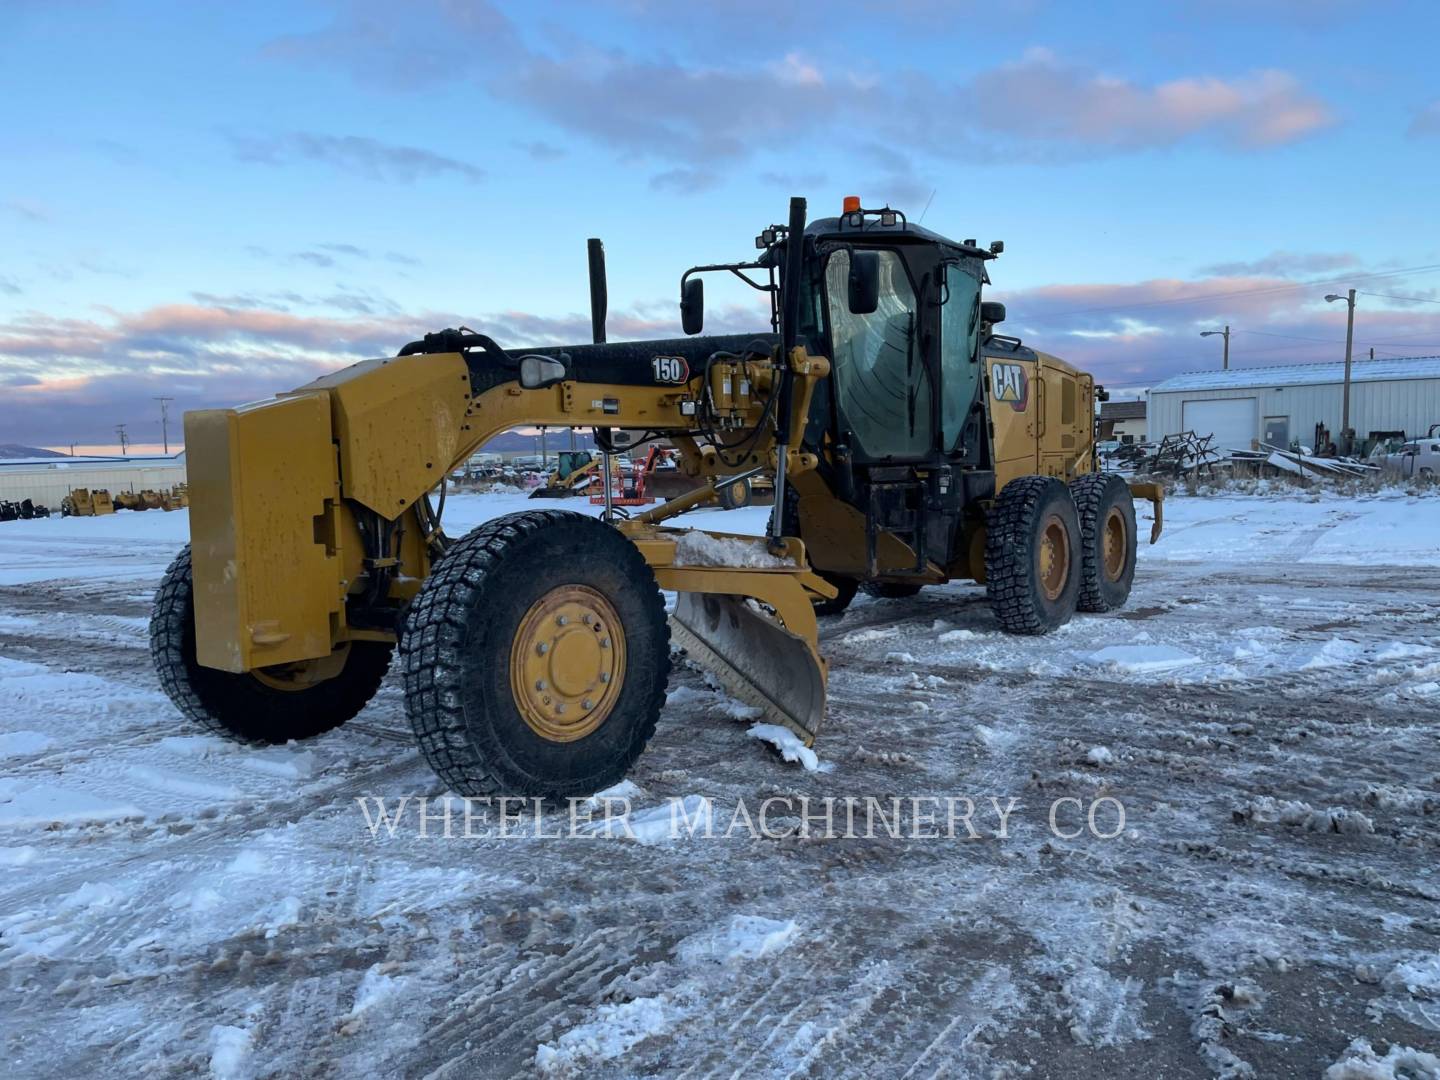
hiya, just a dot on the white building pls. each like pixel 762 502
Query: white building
pixel 1278 404
pixel 48 480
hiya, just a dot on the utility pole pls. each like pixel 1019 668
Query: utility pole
pixel 1225 363
pixel 165 421
pixel 1349 299
pixel 124 442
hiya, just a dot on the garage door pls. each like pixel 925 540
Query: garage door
pixel 1233 421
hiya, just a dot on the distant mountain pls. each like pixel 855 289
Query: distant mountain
pixel 15 450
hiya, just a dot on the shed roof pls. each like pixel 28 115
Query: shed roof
pixel 1122 410
pixel 1410 367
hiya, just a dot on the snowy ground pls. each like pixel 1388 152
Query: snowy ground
pixel 1265 711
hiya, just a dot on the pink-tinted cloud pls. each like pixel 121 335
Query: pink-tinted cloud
pixel 1042 97
pixel 73 379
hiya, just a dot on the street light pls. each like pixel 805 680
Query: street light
pixel 1226 335
pixel 1346 436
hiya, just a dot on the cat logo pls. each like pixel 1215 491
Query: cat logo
pixel 1008 383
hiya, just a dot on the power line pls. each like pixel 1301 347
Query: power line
pixel 1413 299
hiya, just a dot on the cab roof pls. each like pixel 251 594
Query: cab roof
pixel 836 228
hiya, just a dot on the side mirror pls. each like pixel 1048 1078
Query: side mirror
pixel 992 312
pixel 864 285
pixel 692 306
pixel 540 371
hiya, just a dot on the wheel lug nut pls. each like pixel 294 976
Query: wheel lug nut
pixel 587 618
pixel 539 684
pixel 604 642
pixel 605 676
pixel 561 620
pixel 587 704
pixel 560 708
pixel 542 648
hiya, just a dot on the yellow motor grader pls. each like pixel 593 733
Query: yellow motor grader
pixel 908 443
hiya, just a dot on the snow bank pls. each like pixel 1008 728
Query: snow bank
pixel 1361 1062
pixel 229 1047
pixel 1139 659
pixel 745 937
pixel 19 743
pixel 614 1030
pixel 39 805
pixel 788 743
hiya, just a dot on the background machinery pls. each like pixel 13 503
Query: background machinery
pixel 908 445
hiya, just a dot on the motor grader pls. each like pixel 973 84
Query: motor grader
pixel 909 445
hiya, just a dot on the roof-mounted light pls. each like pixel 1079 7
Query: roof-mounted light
pixel 851 204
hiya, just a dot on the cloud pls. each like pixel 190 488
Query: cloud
pixel 75 378
pixel 9 287
pixel 1426 121
pixel 541 150
pixel 691 121
pixel 356 154
pixel 1041 98
pixel 26 210
pixel 1286 264
pixel 1138 333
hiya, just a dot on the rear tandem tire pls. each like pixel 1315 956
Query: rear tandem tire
pixel 1032 547
pixel 734 494
pixel 241 707
pixel 1107 540
pixel 505 658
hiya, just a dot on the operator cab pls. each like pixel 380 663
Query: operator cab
pixel 897 309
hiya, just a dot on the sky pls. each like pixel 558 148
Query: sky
pixel 218 202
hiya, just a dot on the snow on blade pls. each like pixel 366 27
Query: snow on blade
pixel 696 548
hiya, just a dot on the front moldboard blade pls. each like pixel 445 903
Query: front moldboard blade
pixel 755 658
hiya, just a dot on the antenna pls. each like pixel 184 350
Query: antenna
pixel 124 442
pixel 921 218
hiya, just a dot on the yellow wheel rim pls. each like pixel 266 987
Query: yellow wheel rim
pixel 296 677
pixel 567 663
pixel 1053 558
pixel 1115 545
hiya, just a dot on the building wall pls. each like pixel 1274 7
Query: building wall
pixel 49 483
pixel 1133 427
pixel 1409 405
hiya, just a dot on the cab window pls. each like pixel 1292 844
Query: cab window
pixel 882 389
pixel 959 324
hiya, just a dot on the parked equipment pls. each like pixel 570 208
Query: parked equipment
pixel 908 446
pixel 82 502
pixel 574 472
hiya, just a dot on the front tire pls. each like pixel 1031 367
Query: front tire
pixel 535 658
pixel 1031 554
pixel 1107 540
pixel 270 705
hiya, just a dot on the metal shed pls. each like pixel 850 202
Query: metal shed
pixel 48 480
pixel 1278 404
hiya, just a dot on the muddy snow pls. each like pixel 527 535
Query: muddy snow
pixel 1197 837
